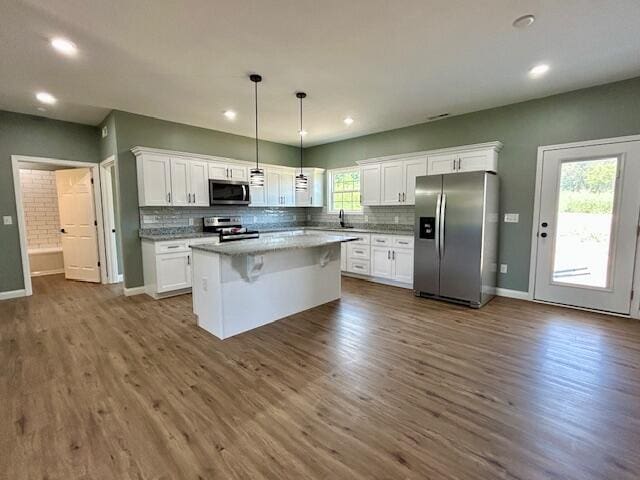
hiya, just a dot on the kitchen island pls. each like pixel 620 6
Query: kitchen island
pixel 242 285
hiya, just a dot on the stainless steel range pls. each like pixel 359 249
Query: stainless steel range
pixel 229 228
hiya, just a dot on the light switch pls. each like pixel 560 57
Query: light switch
pixel 504 268
pixel 511 217
pixel 7 220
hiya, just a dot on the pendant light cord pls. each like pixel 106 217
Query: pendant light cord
pixel 256 98
pixel 300 135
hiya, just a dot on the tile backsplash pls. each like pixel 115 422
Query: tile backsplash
pixel 190 219
pixel 181 218
pixel 40 201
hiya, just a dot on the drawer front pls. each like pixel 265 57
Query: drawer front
pixel 403 242
pixel 363 238
pixel 357 250
pixel 358 266
pixel 172 247
pixel 381 240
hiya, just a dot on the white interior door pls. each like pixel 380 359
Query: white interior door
pixel 78 224
pixel 588 226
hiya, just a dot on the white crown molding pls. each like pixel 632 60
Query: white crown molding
pixel 138 150
pixel 497 146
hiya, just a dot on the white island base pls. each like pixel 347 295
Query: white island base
pixel 236 293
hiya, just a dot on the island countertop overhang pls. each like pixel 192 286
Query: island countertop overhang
pixel 275 243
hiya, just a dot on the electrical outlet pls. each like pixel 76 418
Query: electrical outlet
pixel 504 268
pixel 7 220
pixel 191 221
pixel 396 219
pixel 511 217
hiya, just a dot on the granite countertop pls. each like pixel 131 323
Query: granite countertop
pixel 390 230
pixel 157 236
pixel 274 243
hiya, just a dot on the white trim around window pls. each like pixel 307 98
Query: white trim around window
pixel 330 174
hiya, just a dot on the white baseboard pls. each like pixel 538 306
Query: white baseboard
pixel 505 292
pixel 47 272
pixel 13 294
pixel 129 292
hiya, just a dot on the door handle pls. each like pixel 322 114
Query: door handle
pixel 113 230
pixel 437 232
pixel 545 224
pixel 543 235
pixel 62 230
pixel 443 208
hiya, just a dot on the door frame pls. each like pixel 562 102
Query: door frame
pixel 18 161
pixel 635 302
pixel 111 247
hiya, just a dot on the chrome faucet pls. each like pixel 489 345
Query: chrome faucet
pixel 341 217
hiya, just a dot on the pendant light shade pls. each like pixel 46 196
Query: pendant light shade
pixel 302 182
pixel 256 177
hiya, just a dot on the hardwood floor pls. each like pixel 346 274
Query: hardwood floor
pixel 378 385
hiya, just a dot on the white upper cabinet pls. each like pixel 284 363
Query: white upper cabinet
pixel 392 184
pixel 313 196
pixel 228 171
pixel 180 182
pixel 198 183
pixel 445 163
pixel 396 181
pixel 416 167
pixel 154 180
pixel 370 184
pixel 465 161
pixel 392 180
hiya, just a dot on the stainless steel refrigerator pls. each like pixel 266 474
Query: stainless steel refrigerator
pixel 456 237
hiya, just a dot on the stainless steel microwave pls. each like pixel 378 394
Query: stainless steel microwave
pixel 228 192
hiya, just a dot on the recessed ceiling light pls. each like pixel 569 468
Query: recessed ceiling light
pixel 230 114
pixel 348 121
pixel 47 98
pixel 524 21
pixel 539 70
pixel 302 133
pixel 64 46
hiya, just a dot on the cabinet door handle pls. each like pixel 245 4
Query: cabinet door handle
pixel 231 172
pixel 459 161
pixel 194 198
pixel 404 197
pixel 188 259
pixel 454 164
pixel 169 194
pixel 173 246
pixel 188 198
pixel 393 255
pixel 399 197
pixel 389 254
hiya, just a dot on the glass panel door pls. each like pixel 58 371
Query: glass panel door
pixel 585 221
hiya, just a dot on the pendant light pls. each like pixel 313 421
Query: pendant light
pixel 301 181
pixel 256 178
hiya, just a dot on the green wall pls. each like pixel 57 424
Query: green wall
pixel 606 111
pixel 40 137
pixel 132 130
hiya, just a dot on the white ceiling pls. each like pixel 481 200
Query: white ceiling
pixel 387 63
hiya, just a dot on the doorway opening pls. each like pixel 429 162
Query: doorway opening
pixel 60 219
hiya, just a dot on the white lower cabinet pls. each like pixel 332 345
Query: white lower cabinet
pixel 173 271
pixel 167 266
pixel 381 263
pixel 402 265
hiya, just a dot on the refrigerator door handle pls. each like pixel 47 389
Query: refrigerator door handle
pixel 437 233
pixel 443 211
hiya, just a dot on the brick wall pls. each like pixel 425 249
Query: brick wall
pixel 40 202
